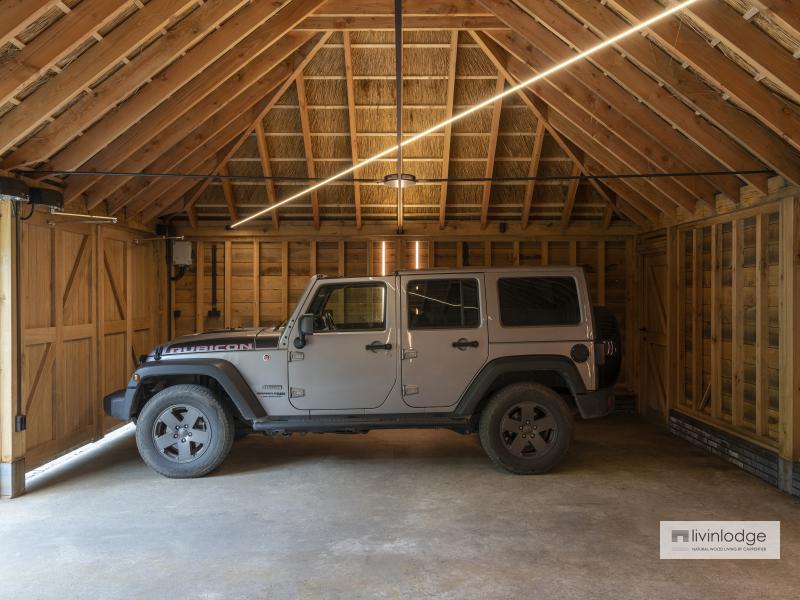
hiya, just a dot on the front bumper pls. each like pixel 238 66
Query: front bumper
pixel 595 404
pixel 118 404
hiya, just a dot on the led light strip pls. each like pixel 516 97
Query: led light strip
pixel 580 56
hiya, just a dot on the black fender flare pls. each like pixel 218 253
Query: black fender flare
pixel 480 385
pixel 222 371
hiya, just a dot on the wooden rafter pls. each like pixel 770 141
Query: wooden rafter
pixel 184 157
pixel 191 78
pixel 572 192
pixel 266 170
pixel 535 45
pixel 703 133
pixel 565 110
pixel 752 44
pixel 448 130
pixel 191 213
pixel 759 140
pixel 307 147
pixel 142 67
pixel 351 117
pixel 494 133
pixel 533 171
pixel 15 16
pixel 90 65
pixel 782 12
pixel 162 129
pixel 151 210
pixel 319 43
pixel 166 190
pixel 627 204
pixel 717 68
pixel 227 192
pixel 56 42
pixel 608 214
pixel 664 193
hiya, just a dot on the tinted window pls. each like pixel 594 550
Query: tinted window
pixel 531 301
pixel 349 307
pixel 443 303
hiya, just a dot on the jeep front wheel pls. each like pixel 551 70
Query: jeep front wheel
pixel 184 431
pixel 526 428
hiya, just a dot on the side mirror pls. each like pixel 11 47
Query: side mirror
pixel 305 327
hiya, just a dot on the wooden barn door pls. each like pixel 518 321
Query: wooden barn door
pixel 59 335
pixel 653 335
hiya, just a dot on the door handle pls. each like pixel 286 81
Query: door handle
pixel 464 343
pixel 378 346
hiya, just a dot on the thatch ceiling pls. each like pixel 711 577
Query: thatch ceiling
pixel 303 88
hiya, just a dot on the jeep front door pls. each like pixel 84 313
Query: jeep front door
pixel 444 337
pixel 350 361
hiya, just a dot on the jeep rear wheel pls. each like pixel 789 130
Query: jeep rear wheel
pixel 526 428
pixel 184 431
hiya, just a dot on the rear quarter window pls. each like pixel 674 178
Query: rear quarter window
pixel 538 301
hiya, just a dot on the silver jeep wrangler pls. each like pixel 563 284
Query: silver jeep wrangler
pixel 508 353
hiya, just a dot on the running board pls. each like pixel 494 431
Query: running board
pixel 360 424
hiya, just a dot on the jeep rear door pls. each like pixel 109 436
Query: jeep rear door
pixel 443 336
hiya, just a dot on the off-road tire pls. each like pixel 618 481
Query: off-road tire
pixel 215 416
pixel 495 439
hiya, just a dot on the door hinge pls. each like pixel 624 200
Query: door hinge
pixel 294 356
pixel 410 390
pixel 409 353
pixel 296 392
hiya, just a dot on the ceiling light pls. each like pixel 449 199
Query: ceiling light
pixel 406 180
pixel 488 102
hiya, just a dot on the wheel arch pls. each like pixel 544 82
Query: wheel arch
pixel 551 370
pixel 215 373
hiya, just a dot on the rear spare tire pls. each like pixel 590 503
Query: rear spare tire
pixel 526 428
pixel 184 431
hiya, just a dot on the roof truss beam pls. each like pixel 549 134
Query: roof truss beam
pixel 747 131
pixel 197 138
pixel 124 82
pixel 305 126
pixel 351 119
pixel 56 42
pixel 266 170
pixel 751 43
pixel 448 129
pixel 16 15
pixel 494 131
pixel 235 147
pixel 225 81
pixel 57 92
pixel 533 171
pixel 671 109
pixel 689 47
pixel 661 192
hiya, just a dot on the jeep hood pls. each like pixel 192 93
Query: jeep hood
pixel 222 340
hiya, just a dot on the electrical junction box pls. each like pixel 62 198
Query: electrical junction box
pixel 181 253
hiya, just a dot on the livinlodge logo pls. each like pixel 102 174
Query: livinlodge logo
pixel 720 540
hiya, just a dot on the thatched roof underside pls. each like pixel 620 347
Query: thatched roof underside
pixel 305 88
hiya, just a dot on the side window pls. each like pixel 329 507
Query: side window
pixel 537 301
pixel 349 307
pixel 443 303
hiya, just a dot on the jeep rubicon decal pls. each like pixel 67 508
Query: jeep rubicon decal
pixel 354 346
pixel 190 348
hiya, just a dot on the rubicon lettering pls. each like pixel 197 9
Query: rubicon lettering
pixel 720 539
pixel 188 349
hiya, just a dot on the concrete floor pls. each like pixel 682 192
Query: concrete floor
pixel 396 514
